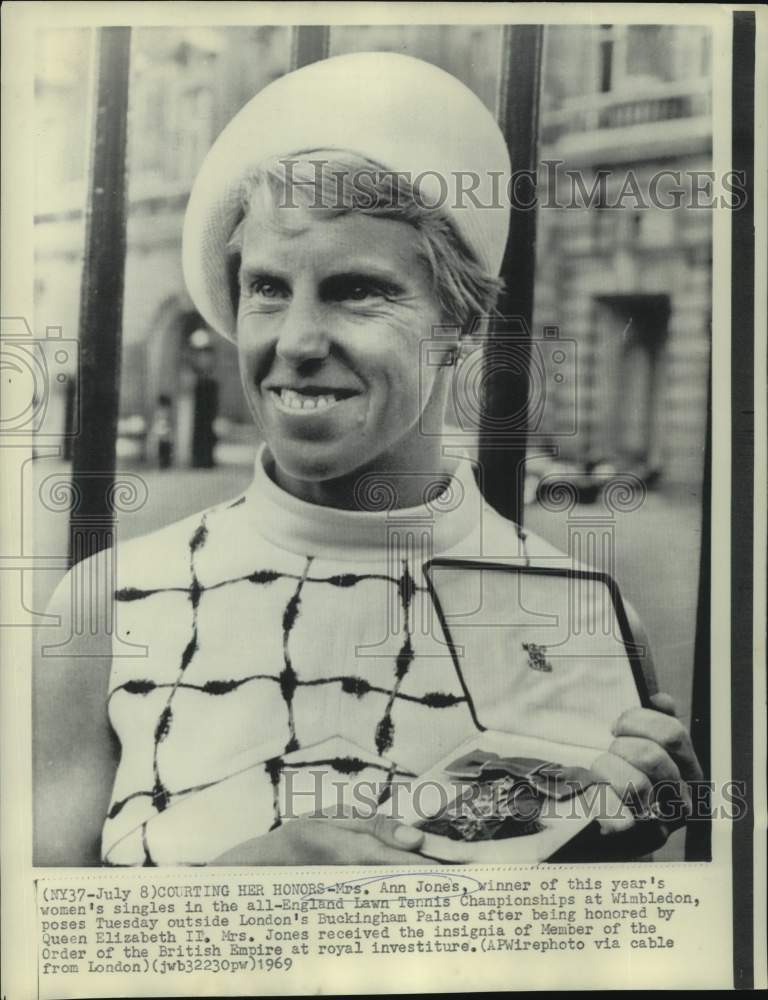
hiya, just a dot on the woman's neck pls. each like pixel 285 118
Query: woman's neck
pixel 357 524
pixel 375 487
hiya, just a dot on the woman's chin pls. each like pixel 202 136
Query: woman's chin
pixel 312 464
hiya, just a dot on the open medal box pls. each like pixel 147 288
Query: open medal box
pixel 547 662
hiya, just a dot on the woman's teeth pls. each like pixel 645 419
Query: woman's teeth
pixel 293 400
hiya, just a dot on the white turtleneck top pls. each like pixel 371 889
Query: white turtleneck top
pixel 293 650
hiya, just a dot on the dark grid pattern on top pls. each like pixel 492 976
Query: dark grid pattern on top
pixel 288 679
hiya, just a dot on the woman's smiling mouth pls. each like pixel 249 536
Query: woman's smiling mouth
pixel 309 400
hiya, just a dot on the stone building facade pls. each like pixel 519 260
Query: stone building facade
pixel 625 272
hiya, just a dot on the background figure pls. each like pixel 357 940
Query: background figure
pixel 162 431
pixel 206 396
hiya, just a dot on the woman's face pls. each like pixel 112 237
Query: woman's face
pixel 331 316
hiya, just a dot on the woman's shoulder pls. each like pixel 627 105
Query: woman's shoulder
pixel 160 558
pixel 156 560
pixel 504 539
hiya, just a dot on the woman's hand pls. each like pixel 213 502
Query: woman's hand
pixel 330 841
pixel 651 748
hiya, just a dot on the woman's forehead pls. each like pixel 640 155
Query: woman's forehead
pixel 292 237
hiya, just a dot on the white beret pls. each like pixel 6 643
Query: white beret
pixel 400 112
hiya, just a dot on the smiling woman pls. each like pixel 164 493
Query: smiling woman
pixel 346 328
pixel 399 272
pixel 334 331
pixel 294 662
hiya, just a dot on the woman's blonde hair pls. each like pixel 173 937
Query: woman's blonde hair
pixel 339 182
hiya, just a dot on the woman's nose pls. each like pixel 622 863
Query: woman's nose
pixel 303 335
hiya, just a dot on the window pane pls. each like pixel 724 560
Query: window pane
pixel 649 51
pixel 471 53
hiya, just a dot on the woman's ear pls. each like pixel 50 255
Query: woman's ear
pixel 444 344
pixel 473 336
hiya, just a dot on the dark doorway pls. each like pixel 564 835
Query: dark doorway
pixel 630 335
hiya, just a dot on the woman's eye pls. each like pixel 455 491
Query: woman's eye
pixel 359 292
pixel 355 290
pixel 264 288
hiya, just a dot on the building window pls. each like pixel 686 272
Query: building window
pixel 606 59
pixel 630 55
pixel 194 114
pixel 649 51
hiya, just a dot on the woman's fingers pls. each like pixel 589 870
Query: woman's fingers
pixel 359 845
pixel 664 703
pixel 645 777
pixel 651 761
pixel 666 785
pixel 665 730
pixel 616 813
pixel 390 832
pixel 646 756
pixel 395 834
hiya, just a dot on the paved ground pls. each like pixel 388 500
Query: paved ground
pixel 657 566
pixel 656 555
